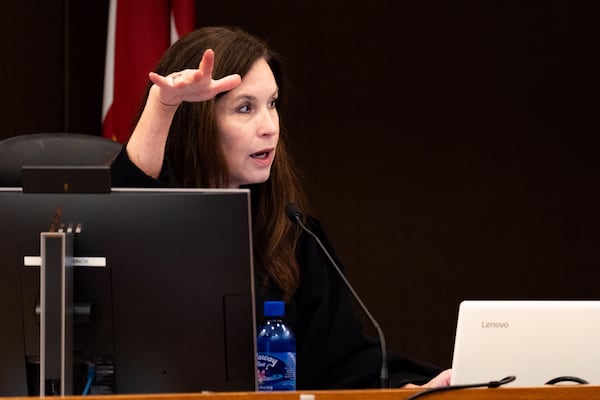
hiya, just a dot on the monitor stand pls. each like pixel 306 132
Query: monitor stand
pixel 56 313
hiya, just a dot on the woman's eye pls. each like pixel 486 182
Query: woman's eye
pixel 244 109
pixel 273 103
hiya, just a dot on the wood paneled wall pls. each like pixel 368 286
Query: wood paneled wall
pixel 449 148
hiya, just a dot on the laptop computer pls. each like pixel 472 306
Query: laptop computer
pixel 536 341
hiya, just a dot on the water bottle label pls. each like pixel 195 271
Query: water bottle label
pixel 276 371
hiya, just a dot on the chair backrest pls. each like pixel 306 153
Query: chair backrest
pixel 52 149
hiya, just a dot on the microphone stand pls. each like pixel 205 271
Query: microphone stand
pixel 295 215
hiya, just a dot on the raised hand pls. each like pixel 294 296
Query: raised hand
pixel 192 85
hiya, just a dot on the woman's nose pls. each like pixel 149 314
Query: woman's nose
pixel 269 122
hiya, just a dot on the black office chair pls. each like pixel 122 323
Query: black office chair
pixel 52 149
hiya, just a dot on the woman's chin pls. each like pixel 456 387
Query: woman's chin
pixel 252 181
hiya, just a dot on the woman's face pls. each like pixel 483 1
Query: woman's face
pixel 248 126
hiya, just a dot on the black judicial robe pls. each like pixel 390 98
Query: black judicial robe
pixel 332 350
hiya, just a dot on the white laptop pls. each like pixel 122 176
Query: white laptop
pixel 536 341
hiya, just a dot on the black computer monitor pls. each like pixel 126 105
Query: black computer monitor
pixel 168 306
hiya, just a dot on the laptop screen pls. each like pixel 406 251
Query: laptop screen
pixel 535 341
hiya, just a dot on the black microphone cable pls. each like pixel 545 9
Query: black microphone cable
pixel 491 385
pixel 295 215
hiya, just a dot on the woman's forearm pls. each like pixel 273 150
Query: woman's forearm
pixel 146 146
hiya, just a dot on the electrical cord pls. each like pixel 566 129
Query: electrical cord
pixel 91 374
pixel 561 379
pixel 491 385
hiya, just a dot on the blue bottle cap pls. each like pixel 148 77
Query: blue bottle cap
pixel 274 308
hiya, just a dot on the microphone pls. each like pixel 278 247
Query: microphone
pixel 295 215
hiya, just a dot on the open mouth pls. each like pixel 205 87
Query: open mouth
pixel 261 155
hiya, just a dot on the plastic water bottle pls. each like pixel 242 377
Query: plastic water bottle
pixel 276 351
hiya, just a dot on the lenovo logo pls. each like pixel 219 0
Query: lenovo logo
pixel 496 325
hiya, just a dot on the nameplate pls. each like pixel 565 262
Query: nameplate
pixel 36 261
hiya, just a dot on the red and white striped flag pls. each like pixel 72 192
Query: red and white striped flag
pixel 139 32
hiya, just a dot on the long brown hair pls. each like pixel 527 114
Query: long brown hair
pixel 196 158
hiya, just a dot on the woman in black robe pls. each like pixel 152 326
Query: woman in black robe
pixel 212 118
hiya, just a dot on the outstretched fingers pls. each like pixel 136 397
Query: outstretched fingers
pixel 206 69
pixel 193 85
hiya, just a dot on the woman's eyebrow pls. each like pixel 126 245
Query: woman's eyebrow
pixel 244 97
pixel 249 97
